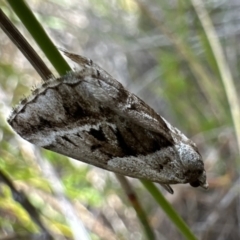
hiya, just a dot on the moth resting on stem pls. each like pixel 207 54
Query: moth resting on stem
pixel 90 116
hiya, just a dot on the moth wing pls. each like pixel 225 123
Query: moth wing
pixel 125 103
pixel 89 116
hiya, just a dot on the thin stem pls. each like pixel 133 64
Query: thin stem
pixel 132 197
pixel 39 35
pixel 222 65
pixel 27 50
pixel 22 199
pixel 169 210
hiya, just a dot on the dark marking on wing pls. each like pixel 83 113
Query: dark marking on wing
pixel 122 96
pixel 74 84
pixel 145 141
pixel 59 143
pixel 160 142
pixel 77 112
pixel 67 139
pixel 78 135
pixel 98 73
pixel 128 150
pixel 133 106
pixel 43 123
pixel 98 134
pixel 95 147
pixel 160 167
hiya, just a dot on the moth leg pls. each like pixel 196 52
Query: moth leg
pixel 167 188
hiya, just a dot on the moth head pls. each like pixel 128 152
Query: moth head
pixel 192 164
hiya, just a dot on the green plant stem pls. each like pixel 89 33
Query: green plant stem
pixel 39 35
pixel 168 209
pixel 23 45
pixel 132 197
pixel 222 64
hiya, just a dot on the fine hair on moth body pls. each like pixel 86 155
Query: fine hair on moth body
pixel 97 121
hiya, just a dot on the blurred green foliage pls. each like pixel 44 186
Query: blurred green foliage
pixel 162 46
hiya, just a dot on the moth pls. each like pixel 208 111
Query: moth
pixel 89 116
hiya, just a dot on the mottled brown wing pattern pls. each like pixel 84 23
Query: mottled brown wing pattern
pixel 89 116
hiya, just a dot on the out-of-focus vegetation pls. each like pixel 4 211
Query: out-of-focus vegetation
pixel 163 52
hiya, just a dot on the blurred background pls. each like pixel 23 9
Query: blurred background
pixel 167 53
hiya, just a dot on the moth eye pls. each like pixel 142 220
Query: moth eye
pixel 195 184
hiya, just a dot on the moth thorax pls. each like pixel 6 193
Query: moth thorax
pixel 190 158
